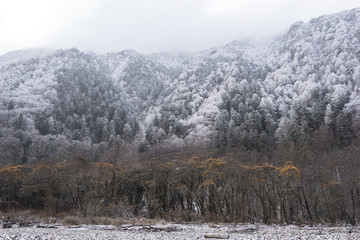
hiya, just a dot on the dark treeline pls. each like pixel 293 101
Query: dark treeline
pixel 291 183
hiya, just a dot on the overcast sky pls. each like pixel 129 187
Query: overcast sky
pixel 150 25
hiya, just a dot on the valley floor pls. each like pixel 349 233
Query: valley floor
pixel 180 231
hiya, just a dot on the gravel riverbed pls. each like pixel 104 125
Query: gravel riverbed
pixel 179 231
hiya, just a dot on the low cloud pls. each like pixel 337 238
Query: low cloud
pixel 150 25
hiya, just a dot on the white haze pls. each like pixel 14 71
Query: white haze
pixel 150 25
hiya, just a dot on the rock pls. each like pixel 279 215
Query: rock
pixel 7 225
pixel 46 226
pixel 22 224
pixel 250 229
pixel 161 229
pixel 217 236
pixel 169 229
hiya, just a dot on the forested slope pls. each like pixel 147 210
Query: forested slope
pixel 240 95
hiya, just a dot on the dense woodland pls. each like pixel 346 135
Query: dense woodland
pixel 248 132
pixel 318 185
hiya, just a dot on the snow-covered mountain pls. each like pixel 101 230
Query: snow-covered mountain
pixel 241 94
pixel 24 54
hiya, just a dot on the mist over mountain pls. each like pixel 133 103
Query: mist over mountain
pixel 242 95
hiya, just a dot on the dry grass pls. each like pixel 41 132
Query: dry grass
pixel 74 220
pixel 100 221
pixel 71 220
pixel 20 216
pixel 28 217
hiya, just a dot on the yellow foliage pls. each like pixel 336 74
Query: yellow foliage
pixel 206 172
pixel 207 183
pixel 257 168
pixel 40 169
pixel 166 166
pixel 9 169
pixel 289 170
pixel 194 160
pixel 108 168
pixel 212 171
pixel 150 183
pixel 215 162
pixel 105 165
pixel 262 172
pixel 64 165
pixel 211 166
pixel 182 188
pixel 331 183
pixel 11 173
pixel 219 175
pixel 197 163
pixel 265 167
pixel 243 166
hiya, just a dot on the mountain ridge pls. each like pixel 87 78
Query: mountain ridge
pixel 242 94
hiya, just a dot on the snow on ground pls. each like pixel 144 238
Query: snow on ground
pixel 180 231
pixel 24 54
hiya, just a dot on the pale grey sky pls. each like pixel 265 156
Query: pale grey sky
pixel 150 25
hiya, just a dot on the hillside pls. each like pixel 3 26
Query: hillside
pixel 244 94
